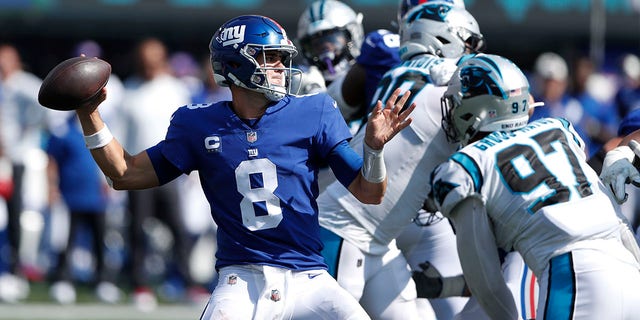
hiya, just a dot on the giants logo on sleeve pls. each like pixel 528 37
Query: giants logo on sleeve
pixel 232 35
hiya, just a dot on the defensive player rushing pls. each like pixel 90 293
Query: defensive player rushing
pixel 428 239
pixel 257 159
pixel 330 34
pixel 332 40
pixel 368 263
pixel 527 187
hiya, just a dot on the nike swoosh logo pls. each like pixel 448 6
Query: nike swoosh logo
pixel 313 275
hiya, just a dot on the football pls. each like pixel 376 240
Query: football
pixel 73 82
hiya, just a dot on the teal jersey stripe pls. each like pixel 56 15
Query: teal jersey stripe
pixel 331 251
pixel 561 295
pixel 566 124
pixel 471 167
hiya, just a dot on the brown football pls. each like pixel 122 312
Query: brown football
pixel 73 82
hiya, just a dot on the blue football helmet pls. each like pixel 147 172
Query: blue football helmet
pixel 486 93
pixel 238 43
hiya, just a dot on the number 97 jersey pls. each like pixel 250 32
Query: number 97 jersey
pixel 540 194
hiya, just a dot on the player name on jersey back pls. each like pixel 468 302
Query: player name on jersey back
pixel 500 136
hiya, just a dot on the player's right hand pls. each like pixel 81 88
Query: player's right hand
pixel 91 105
pixel 618 170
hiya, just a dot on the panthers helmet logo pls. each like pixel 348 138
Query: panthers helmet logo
pixel 477 81
pixel 437 12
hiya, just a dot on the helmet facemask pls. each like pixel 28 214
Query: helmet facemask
pixel 449 103
pixel 474 42
pixel 259 80
pixel 330 51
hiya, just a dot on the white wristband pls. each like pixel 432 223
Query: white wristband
pixel 98 139
pixel 373 168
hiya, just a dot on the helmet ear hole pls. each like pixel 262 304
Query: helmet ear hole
pixel 443 40
pixel 466 116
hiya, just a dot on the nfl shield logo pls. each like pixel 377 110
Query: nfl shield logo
pixel 233 279
pixel 252 136
pixel 275 295
pixel 492 113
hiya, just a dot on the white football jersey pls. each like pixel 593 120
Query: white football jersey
pixel 541 196
pixel 409 159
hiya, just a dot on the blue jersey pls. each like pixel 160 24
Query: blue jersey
pixel 80 179
pixel 378 54
pixel 261 179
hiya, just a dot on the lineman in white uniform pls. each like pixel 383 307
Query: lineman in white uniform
pixel 368 264
pixel 527 187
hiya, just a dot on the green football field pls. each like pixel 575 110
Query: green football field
pixel 96 311
pixel 38 306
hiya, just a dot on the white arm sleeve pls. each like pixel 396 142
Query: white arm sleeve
pixel 479 258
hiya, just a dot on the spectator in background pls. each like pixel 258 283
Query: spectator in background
pixel 151 97
pixel 22 122
pixel 187 69
pixel 116 200
pixel 551 85
pixel 627 98
pixel 595 91
pixel 12 288
pixel 75 179
pixel 210 91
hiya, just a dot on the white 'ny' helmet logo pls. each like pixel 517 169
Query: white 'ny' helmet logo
pixel 232 35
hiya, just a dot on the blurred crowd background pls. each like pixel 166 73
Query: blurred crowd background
pixel 581 57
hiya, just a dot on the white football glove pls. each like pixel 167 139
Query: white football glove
pixel 618 170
